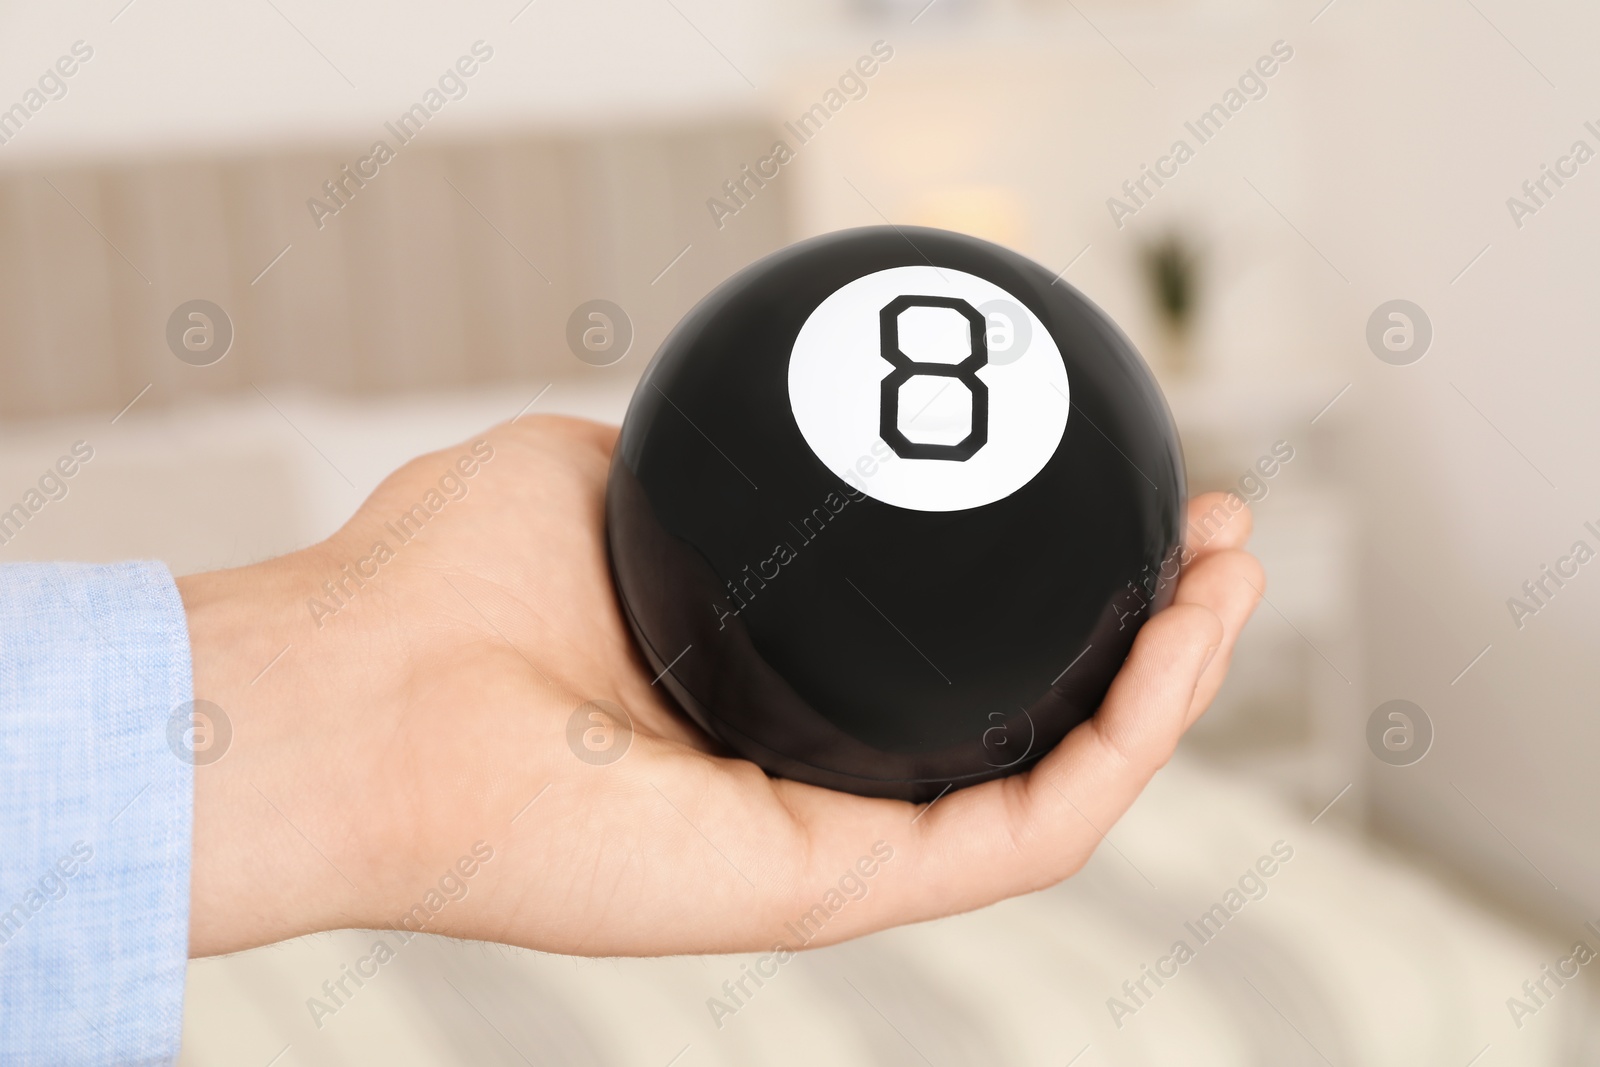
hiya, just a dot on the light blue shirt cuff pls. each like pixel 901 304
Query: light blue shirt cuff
pixel 96 810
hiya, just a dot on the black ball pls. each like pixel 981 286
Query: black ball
pixel 888 509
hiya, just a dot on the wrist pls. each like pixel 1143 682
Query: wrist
pixel 270 859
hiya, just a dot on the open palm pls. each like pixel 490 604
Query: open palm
pixel 423 719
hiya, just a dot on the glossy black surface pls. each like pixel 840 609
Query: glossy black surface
pixel 897 652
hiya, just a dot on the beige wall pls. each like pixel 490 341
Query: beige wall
pixel 1419 147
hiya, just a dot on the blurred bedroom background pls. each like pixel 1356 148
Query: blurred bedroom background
pixel 1341 156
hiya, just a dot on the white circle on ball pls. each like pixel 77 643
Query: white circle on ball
pixel 837 374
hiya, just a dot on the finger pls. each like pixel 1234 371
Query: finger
pixel 1216 522
pixel 1110 758
pixel 1230 584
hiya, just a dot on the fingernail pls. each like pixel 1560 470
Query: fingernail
pixel 1210 654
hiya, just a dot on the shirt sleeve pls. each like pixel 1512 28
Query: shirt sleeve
pixel 96 808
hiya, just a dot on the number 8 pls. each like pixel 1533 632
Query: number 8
pixel 905 368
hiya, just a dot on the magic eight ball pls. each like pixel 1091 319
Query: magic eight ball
pixel 888 509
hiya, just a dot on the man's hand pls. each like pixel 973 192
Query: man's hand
pixel 406 761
